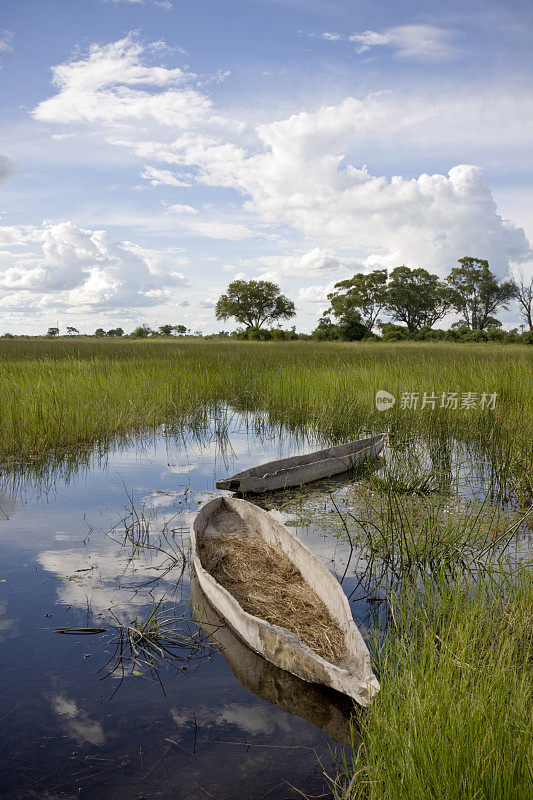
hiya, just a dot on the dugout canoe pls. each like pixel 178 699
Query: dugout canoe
pixel 323 707
pixel 352 675
pixel 297 470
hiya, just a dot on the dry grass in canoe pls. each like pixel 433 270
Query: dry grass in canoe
pixel 268 585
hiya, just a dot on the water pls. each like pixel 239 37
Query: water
pixel 71 727
pixel 99 547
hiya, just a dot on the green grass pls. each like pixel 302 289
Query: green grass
pixel 59 398
pixel 453 717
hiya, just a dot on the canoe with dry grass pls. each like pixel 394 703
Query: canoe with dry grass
pixel 297 470
pixel 279 598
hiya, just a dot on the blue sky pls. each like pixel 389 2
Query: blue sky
pixel 152 151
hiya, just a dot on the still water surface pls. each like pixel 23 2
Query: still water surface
pixel 70 727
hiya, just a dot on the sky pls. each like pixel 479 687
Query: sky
pixel 152 151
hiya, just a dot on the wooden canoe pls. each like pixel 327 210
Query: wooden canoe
pixel 283 648
pixel 298 470
pixel 321 706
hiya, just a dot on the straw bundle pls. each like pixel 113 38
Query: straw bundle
pixel 268 585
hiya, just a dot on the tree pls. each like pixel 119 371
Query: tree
pixel 365 294
pixel 325 331
pixel 416 297
pixel 99 332
pixel 115 332
pixel 142 331
pixel 476 293
pixel 180 329
pixel 53 332
pixel 166 330
pixel 523 292
pixel 254 303
pixel 72 331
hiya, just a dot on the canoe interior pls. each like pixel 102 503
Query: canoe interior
pixel 339 451
pixel 266 582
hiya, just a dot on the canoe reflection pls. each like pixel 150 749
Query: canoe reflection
pixel 321 706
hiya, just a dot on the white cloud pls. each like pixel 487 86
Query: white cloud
pixel 302 178
pixel 182 209
pixel 165 4
pixel 65 265
pixel 216 229
pixel 316 294
pixel 112 85
pixel 162 177
pixel 314 262
pixel 421 42
pixel 208 303
pixel 219 77
pixel 331 37
pixel 6 41
pixel 296 171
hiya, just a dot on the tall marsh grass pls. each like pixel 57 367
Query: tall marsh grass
pixel 453 717
pixel 61 397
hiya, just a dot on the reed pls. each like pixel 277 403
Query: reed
pixel 453 717
pixel 165 637
pixel 62 399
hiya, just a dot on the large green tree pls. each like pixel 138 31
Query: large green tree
pixel 254 304
pixel 364 294
pixel 476 293
pixel 416 297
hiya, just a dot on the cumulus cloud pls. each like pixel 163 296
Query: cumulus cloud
pixel 302 177
pixel 314 262
pixel 305 171
pixel 112 85
pixel 316 294
pixel 65 265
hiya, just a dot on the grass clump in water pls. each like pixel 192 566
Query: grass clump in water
pixel 163 637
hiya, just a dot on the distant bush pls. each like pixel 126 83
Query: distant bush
pixel 394 333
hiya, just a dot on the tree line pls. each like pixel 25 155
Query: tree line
pixel 414 299
pixel 143 331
